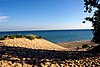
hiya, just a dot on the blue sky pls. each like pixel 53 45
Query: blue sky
pixel 42 15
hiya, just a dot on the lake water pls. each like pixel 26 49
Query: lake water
pixel 57 36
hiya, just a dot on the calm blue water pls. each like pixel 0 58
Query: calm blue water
pixel 57 36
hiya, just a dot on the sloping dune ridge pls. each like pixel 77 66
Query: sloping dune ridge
pixel 34 44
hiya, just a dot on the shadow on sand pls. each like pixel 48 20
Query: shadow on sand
pixel 36 57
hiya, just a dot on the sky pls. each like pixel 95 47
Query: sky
pixel 42 15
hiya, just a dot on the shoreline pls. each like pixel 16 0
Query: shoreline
pixel 76 44
pixel 74 41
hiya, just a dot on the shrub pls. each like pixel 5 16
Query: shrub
pixel 2 38
pixel 31 37
pixel 38 37
pixel 19 36
pixel 78 47
pixel 85 45
pixel 5 36
pixel 12 36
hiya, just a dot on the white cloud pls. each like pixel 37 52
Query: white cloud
pixel 4 18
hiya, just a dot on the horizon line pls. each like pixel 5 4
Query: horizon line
pixel 43 30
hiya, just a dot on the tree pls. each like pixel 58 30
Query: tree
pixel 95 19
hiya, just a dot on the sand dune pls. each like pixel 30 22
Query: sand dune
pixel 34 44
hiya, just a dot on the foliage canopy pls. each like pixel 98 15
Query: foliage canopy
pixel 95 19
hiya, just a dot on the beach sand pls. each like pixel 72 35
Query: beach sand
pixel 77 44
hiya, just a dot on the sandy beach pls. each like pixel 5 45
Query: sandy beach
pixel 75 44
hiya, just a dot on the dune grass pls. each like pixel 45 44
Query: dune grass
pixel 12 36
